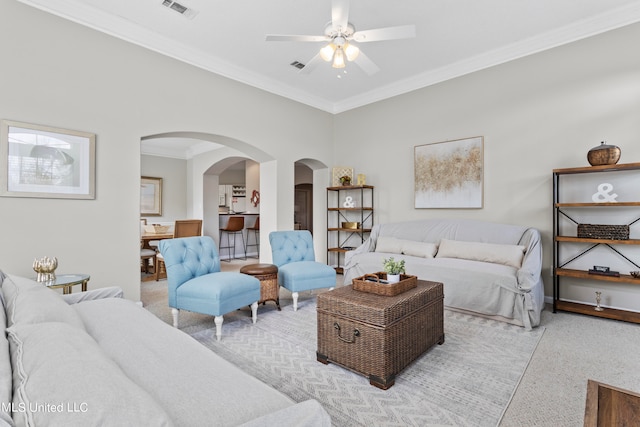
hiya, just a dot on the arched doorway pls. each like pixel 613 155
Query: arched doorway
pixel 303 198
pixel 276 203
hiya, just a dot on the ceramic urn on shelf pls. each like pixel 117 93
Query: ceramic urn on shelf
pixel 603 154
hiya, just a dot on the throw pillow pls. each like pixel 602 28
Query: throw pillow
pixel 390 245
pixel 419 249
pixel 510 255
pixel 393 245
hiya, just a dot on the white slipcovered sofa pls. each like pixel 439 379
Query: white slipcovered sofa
pixel 93 359
pixel 486 268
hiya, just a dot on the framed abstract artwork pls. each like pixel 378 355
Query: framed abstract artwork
pixel 449 174
pixel 150 196
pixel 46 162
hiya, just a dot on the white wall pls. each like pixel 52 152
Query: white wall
pixel 232 176
pixel 62 74
pixel 536 114
pixel 174 183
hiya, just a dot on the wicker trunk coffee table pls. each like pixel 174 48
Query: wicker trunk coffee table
pixel 378 336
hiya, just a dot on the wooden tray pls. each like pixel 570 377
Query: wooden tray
pixel 375 284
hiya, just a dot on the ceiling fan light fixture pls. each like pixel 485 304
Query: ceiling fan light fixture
pixel 327 52
pixel 338 59
pixel 351 51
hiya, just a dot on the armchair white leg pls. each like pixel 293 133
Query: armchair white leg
pixel 218 321
pixel 174 313
pixel 254 312
pixel 295 301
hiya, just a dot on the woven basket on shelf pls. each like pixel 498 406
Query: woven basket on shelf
pixel 373 284
pixel 603 231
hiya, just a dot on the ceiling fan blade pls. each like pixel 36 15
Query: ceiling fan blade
pixel 367 65
pixel 388 33
pixel 295 38
pixel 339 15
pixel 311 64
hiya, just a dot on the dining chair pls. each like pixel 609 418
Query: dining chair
pixel 146 254
pixel 151 244
pixel 187 228
pixel 181 228
pixel 298 269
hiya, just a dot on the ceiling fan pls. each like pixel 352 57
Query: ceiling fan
pixel 341 38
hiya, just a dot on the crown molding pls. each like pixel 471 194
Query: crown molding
pixel 581 30
pixel 121 28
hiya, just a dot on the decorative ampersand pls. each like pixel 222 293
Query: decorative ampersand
pixel 604 194
pixel 348 202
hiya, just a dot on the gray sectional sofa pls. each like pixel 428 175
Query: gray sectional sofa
pixel 489 269
pixel 92 359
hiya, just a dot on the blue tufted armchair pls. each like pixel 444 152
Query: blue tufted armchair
pixel 298 270
pixel 197 284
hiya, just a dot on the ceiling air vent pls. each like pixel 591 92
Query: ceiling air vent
pixel 182 10
pixel 298 65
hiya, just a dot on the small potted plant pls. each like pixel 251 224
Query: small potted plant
pixel 393 269
pixel 345 180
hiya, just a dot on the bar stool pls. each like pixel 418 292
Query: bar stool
pixel 234 226
pixel 256 236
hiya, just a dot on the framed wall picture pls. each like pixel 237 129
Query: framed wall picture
pixel 47 162
pixel 150 196
pixel 340 171
pixel 449 174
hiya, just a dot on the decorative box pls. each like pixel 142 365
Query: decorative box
pixel 602 231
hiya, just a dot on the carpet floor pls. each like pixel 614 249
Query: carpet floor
pixel 467 381
pixel 552 392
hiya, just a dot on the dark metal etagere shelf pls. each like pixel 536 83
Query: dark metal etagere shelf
pixel 340 239
pixel 559 267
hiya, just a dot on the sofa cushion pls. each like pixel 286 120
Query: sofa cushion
pixel 305 275
pixel 194 385
pixel 510 255
pixel 218 293
pixel 61 377
pixel 394 245
pixel 28 301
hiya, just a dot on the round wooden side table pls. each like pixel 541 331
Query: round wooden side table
pixel 268 276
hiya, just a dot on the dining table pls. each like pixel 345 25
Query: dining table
pixel 148 237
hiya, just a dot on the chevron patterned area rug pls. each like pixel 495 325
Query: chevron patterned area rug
pixel 467 381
